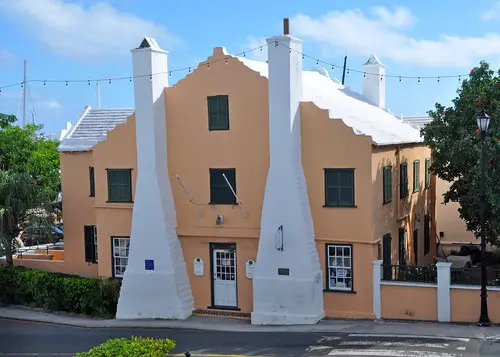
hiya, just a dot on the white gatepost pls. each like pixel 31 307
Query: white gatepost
pixel 443 291
pixel 377 277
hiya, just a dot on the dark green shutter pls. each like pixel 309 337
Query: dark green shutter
pixel 403 180
pixel 427 173
pixel 427 235
pixel 92 181
pixel 402 246
pixel 387 184
pixel 119 185
pixel 416 176
pixel 220 192
pixel 88 236
pixel 339 187
pixel 218 112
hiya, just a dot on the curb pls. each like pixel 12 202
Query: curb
pixel 343 327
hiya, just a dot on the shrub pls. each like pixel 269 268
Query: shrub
pixel 133 347
pixel 59 292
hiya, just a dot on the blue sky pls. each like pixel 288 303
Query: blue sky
pixel 87 39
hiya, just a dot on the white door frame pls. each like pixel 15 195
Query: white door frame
pixel 224 275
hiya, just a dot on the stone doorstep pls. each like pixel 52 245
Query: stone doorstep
pixel 222 313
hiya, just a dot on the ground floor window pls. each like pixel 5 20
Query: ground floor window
pixel 339 267
pixel 120 255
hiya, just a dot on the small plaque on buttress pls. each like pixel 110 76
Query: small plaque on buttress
pixel 283 271
pixel 149 264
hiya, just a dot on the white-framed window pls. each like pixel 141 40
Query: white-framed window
pixel 120 255
pixel 339 267
pixel 95 244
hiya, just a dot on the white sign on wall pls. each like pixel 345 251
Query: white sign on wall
pixel 250 268
pixel 198 266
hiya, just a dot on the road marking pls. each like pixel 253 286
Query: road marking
pixel 430 337
pixel 393 344
pixel 461 348
pixel 317 348
pixel 389 353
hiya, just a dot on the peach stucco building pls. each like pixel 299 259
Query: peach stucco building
pixel 450 228
pixel 258 188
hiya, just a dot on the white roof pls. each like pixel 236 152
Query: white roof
pixel 92 128
pixel 417 121
pixel 350 107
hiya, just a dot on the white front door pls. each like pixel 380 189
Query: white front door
pixel 224 277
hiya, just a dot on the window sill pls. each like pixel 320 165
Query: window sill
pixel 339 291
pixel 119 201
pixel 330 206
pixel 230 308
pixel 386 203
pixel 221 204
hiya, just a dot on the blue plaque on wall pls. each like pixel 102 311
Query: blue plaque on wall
pixel 149 264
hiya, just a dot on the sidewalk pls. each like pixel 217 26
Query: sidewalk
pixel 417 329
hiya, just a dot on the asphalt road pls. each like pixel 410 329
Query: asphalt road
pixel 23 339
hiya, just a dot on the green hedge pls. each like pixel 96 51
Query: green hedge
pixel 133 347
pixel 59 292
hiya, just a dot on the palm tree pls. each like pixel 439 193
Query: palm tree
pixel 23 203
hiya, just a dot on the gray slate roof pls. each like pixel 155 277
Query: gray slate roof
pixel 92 128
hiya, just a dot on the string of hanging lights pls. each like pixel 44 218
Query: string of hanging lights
pixel 189 69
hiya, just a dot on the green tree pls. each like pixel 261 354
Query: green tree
pixel 455 141
pixel 23 150
pixel 23 203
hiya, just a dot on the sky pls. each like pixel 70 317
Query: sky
pixel 85 40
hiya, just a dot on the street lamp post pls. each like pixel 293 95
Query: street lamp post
pixel 483 122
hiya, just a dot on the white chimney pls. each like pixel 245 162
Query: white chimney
pixel 287 284
pixel 155 283
pixel 374 82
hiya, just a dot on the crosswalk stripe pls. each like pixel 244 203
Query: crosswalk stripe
pixel 429 337
pixel 389 353
pixel 394 344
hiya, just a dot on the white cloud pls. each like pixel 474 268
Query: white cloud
pixel 93 32
pixel 493 13
pixel 6 57
pixel 260 53
pixel 383 34
pixel 50 104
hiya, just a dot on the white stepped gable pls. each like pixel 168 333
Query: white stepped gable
pixel 155 283
pixel 287 284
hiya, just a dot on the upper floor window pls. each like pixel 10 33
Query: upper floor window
pixel 220 190
pixel 218 112
pixel 416 175
pixel 119 185
pixel 403 180
pixel 91 182
pixel 427 173
pixel 339 188
pixel 387 185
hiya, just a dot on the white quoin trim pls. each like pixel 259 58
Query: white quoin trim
pixel 443 291
pixel 377 298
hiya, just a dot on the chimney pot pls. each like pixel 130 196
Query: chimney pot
pixel 286 26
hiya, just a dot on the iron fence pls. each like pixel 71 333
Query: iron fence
pixel 410 273
pixel 472 276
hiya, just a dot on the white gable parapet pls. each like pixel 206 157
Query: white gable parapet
pixel 374 82
pixel 287 285
pixel 155 283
